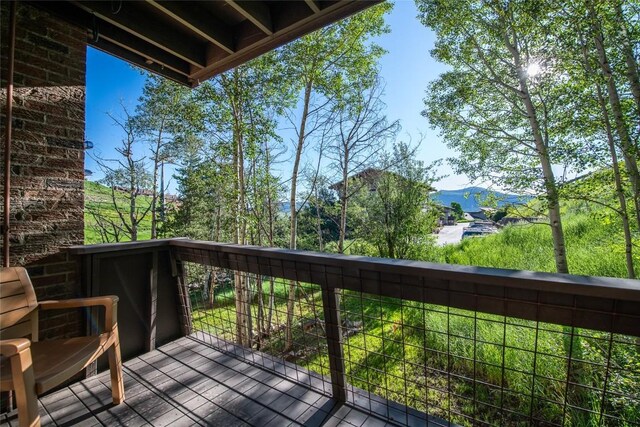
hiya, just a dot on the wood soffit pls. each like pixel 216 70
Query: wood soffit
pixel 191 41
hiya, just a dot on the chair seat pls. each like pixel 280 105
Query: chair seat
pixel 55 361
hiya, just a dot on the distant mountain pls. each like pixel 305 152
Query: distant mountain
pixel 472 198
pixel 285 207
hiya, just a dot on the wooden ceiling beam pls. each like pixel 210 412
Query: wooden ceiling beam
pixel 141 61
pixel 114 35
pixel 313 5
pixel 150 52
pixel 329 14
pixel 130 18
pixel 176 39
pixel 255 11
pixel 207 27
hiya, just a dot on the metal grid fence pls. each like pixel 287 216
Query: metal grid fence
pixel 478 369
pixel 403 358
pixel 253 324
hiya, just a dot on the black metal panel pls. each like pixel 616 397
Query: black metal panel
pixel 168 321
pixel 127 274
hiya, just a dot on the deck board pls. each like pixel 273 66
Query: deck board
pixel 187 383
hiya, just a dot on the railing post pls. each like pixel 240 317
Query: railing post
pixel 331 308
pixel 153 303
pixel 177 270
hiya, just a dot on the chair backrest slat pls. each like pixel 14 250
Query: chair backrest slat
pixel 17 303
pixel 9 289
pixel 19 330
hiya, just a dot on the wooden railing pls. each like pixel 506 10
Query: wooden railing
pixel 598 303
pixel 594 303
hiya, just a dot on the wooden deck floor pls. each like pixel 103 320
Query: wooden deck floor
pixel 188 383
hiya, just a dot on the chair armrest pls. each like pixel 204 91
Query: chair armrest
pixel 105 301
pixel 14 346
pixel 109 302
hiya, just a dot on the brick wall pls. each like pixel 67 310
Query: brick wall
pixel 47 159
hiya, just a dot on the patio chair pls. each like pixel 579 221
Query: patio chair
pixel 31 367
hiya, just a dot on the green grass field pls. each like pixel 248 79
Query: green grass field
pixel 98 198
pixel 413 353
pixel 594 244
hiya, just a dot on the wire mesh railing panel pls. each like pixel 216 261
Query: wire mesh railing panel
pixel 274 323
pixel 478 369
pixel 417 342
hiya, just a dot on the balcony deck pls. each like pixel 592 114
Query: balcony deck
pixel 187 382
pixel 485 346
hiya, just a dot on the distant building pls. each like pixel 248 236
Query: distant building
pixel 482 214
pixel 478 215
pixel 447 217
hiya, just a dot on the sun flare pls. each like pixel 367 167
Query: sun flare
pixel 533 69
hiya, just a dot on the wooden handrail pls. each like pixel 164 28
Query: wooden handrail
pixel 598 303
pixel 531 280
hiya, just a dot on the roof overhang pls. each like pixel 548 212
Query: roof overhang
pixel 191 41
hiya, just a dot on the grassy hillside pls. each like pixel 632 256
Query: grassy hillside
pixel 595 245
pixel 97 198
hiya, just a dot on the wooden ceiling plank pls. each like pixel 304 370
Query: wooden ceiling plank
pixel 115 35
pixel 313 5
pixel 329 14
pixel 209 28
pixel 143 49
pixel 127 55
pixel 255 11
pixel 131 22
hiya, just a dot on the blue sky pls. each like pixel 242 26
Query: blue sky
pixel 407 69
